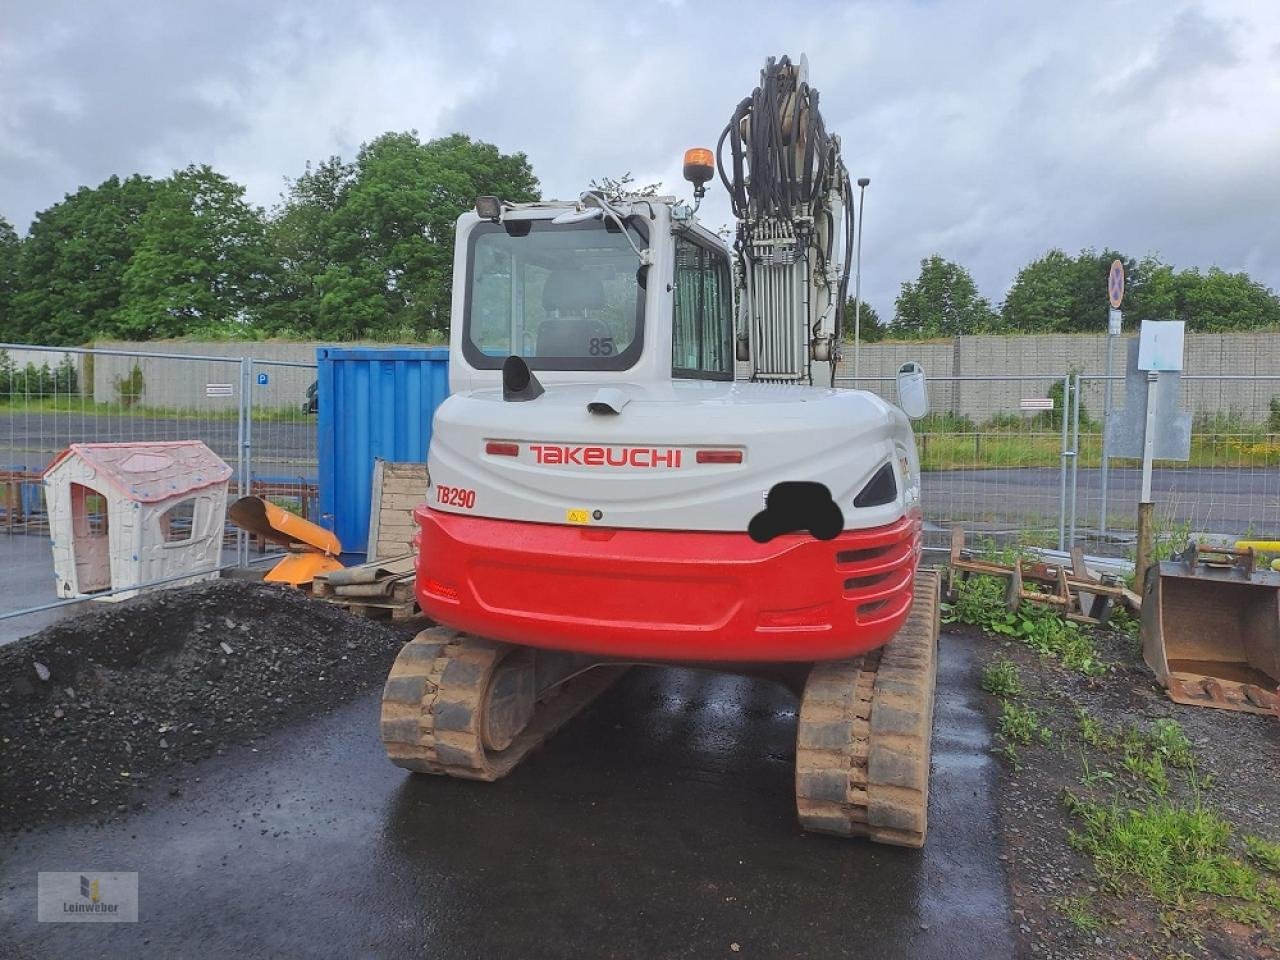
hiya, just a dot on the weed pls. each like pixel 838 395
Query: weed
pixel 1093 778
pixel 980 601
pixel 1001 678
pixel 944 422
pixel 1149 769
pixel 1265 853
pixel 1076 910
pixel 1174 852
pixel 1128 626
pixel 1091 731
pixel 129 389
pixel 1168 742
pixel 1021 724
pixel 1250 914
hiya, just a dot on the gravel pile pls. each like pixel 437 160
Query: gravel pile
pixel 107 711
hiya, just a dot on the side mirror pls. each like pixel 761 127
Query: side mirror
pixel 913 390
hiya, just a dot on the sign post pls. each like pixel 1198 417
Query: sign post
pixel 1115 296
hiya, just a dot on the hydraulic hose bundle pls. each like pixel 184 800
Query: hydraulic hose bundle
pixel 781 170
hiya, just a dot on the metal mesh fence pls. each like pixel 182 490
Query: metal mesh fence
pixel 53 397
pixel 283 464
pixel 1003 477
pixel 993 459
pixel 1229 488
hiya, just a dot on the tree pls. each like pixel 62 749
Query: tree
pixel 1208 302
pixel 202 264
pixel 942 302
pixel 872 329
pixel 389 236
pixel 300 232
pixel 10 248
pixel 72 262
pixel 1059 293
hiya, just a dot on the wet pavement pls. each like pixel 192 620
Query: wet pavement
pixel 658 824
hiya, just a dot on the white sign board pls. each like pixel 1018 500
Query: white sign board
pixel 1035 403
pixel 1160 345
pixel 217 390
pixel 1114 320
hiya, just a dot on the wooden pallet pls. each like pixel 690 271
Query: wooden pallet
pixel 381 589
pixel 379 611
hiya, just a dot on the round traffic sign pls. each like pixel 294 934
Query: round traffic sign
pixel 1115 284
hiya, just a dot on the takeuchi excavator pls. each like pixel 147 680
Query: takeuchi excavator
pixel 644 460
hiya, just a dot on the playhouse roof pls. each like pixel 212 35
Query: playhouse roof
pixel 149 472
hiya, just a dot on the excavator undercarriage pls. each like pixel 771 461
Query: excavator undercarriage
pixel 468 707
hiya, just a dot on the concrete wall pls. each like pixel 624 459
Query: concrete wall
pixel 1038 362
pixel 183 383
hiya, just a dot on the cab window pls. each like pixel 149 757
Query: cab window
pixel 702 329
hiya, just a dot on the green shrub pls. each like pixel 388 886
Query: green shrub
pixel 130 389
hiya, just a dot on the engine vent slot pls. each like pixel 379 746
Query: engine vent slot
pixel 858 583
pixel 863 555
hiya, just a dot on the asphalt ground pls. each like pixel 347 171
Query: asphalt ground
pixel 658 824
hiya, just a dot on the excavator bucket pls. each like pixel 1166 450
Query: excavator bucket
pixel 1211 630
pixel 312 549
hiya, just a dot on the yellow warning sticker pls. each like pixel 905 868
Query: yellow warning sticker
pixel 578 516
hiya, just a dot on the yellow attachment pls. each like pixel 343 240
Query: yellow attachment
pixel 264 519
pixel 299 568
pixel 1262 546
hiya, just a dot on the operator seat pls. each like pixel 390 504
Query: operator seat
pixel 569 294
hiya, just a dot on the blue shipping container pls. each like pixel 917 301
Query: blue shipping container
pixel 373 403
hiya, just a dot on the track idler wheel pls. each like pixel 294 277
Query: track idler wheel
pixel 865 732
pixel 467 707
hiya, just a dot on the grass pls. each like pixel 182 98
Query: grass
pixel 66 403
pixel 949 449
pixel 1264 853
pixel 1076 910
pixel 1174 852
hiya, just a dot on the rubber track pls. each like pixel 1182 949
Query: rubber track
pixel 433 699
pixel 865 732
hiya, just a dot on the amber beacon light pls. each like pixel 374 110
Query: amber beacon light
pixel 699 165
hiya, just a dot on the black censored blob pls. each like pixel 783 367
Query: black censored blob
pixel 797 505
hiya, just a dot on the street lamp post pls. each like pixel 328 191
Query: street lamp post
pixel 857 282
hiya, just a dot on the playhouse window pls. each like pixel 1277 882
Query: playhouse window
pixel 88 512
pixel 178 523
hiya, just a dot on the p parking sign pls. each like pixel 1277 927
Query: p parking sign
pixel 262 379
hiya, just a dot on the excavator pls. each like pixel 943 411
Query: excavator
pixel 639 463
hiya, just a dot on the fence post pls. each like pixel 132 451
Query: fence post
pixel 1075 461
pixel 1062 480
pixel 243 447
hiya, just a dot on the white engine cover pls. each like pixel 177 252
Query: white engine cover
pixel 639 468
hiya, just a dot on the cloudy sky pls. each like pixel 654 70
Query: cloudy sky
pixel 990 131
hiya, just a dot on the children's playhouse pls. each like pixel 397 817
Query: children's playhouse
pixel 123 514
